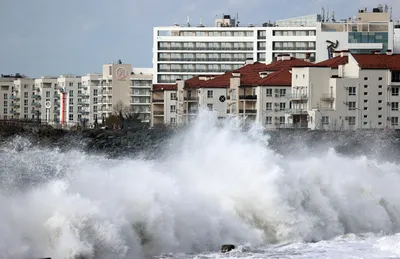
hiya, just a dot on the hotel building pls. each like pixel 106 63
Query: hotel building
pixel 184 51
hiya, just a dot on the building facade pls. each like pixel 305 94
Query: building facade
pixel 346 92
pixel 185 51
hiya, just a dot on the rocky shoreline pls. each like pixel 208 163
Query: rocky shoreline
pixel 143 141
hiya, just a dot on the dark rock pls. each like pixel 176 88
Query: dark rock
pixel 227 248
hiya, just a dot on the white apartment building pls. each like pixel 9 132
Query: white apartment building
pixel 6 96
pixel 91 83
pixel 349 91
pixel 22 105
pixel 141 84
pixel 363 95
pixel 68 101
pixel 185 51
pixel 255 92
pixel 44 99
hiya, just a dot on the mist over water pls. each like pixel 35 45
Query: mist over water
pixel 215 184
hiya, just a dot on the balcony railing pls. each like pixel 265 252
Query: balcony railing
pixel 158 100
pixel 206 48
pixel 248 97
pixel 203 59
pixel 158 113
pixel 302 125
pixel 294 48
pixel 296 111
pixel 248 111
pixel 191 98
pixel 327 97
pixel 297 97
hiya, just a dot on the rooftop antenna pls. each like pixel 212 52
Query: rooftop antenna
pixel 237 20
pixel 327 15
pixel 333 16
pixel 323 14
pixel 386 8
pixel 201 22
pixel 188 21
pixel 391 12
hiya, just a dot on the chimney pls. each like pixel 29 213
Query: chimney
pixel 279 58
pixel 389 52
pixel 336 54
pixel 236 74
pixel 263 74
pixel 286 57
pixel 344 53
pixel 249 61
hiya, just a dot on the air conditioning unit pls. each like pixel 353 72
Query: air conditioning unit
pixel 276 95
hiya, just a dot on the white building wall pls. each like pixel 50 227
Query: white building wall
pixel 6 98
pixel 46 91
pixel 396 39
pixel 141 83
pixel 213 97
pixel 22 102
pixel 170 108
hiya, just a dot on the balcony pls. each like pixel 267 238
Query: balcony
pixel 296 111
pixel 298 97
pixel 202 59
pixel 191 98
pixel 295 48
pixel 15 105
pixel 158 113
pixel 193 112
pixel 206 48
pixel 248 97
pixel 248 111
pixel 83 94
pixel 159 101
pixel 37 105
pixel 36 96
pixel 83 103
pixel 327 97
pixel 15 97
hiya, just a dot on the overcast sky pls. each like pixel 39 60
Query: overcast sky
pixel 53 37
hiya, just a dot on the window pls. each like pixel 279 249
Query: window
pixel 71 101
pixel 282 92
pixel 25 109
pixel 352 106
pixel 95 100
pixel 210 106
pixel 282 120
pixel 365 116
pixel 379 86
pixel 352 90
pixel 26 102
pixel 365 101
pixel 95 92
pixel 395 121
pixel 268 120
pixel 26 95
pixel 395 106
pixel 365 78
pixel 380 78
pixel 379 101
pixel 365 93
pixel 173 120
pixel 71 109
pixel 5 96
pixel 209 94
pixel 379 116
pixel 5 103
pixel 5 110
pixel 379 123
pixel 325 120
pixel 71 117
pixel 173 108
pixel 352 121
pixel 47 94
pixel 395 91
pixel 380 109
pixel 365 108
pixel 71 84
pixel 268 106
pixel 173 97
pixel 282 106
pixel 71 93
pixel 269 92
pixel 379 93
pixel 365 86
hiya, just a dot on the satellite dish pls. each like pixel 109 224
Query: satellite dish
pixel 47 104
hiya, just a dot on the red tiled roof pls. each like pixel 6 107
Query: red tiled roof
pixel 248 75
pixel 333 62
pixel 279 78
pixel 164 87
pixel 293 62
pixel 197 81
pixel 378 61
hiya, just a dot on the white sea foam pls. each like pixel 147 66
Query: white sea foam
pixel 216 185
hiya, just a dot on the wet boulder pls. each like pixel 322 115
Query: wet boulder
pixel 227 248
